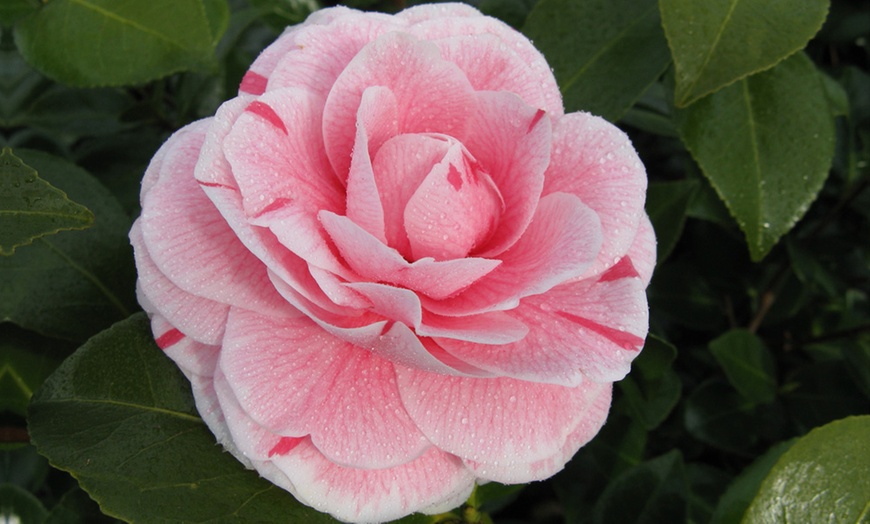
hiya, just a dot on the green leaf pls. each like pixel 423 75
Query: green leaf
pixel 716 415
pixel 736 499
pixel 12 10
pixel 76 507
pixel 17 505
pixel 766 144
pixel 716 42
pixel 75 283
pixel 652 389
pixel 821 478
pixel 604 53
pixel 31 208
pixel 747 363
pixel 667 204
pixel 650 493
pixel 119 416
pixel 91 43
pixel 25 362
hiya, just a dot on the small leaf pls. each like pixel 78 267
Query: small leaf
pixel 650 493
pixel 716 415
pixel 736 499
pixel 716 42
pixel 766 144
pixel 31 207
pixel 19 506
pixel 75 283
pixel 604 53
pixel 652 390
pixel 25 362
pixel 120 417
pixel 68 40
pixel 747 363
pixel 667 204
pixel 821 478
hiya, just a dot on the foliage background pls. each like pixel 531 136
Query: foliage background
pixel 752 118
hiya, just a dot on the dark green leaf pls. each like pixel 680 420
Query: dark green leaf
pixel 23 467
pixel 747 363
pixel 821 478
pixel 25 362
pixel 821 392
pixel 716 415
pixel 31 208
pixel 604 53
pixel 12 10
pixel 652 492
pixel 119 416
pixel 857 355
pixel 17 505
pixel 666 204
pixel 705 485
pixel 75 283
pixel 106 42
pixel 76 507
pixel 766 144
pixel 716 42
pixel 652 389
pixel 740 493
pixel 281 13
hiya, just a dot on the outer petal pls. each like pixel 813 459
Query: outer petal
pixel 290 376
pixel 643 250
pixel 190 242
pixel 594 160
pixel 594 414
pixel 499 421
pixel 194 358
pixel 435 478
pixel 587 329
pixel 197 317
pixel 465 26
pixel 559 244
pixel 432 95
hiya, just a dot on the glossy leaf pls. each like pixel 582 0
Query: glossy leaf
pixel 667 204
pixel 31 208
pixel 736 499
pixel 766 144
pixel 68 40
pixel 604 53
pixel 716 42
pixel 821 478
pixel 652 389
pixel 652 492
pixel 120 417
pixel 747 363
pixel 75 283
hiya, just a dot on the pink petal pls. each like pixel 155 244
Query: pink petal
pixel 495 327
pixel 560 243
pixel 289 376
pixel 432 95
pixel 434 481
pixel 592 417
pixel 465 26
pixel 439 12
pixel 190 242
pixel 643 250
pixel 322 50
pixel 399 166
pixel 192 357
pixel 588 329
pixel 594 160
pixel 454 210
pixel 374 261
pixel 511 142
pixel 376 122
pixel 490 65
pixel 197 317
pixel 275 151
pixel 499 421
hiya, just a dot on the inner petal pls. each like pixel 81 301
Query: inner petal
pixel 454 209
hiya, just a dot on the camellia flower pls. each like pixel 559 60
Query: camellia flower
pixel 393 267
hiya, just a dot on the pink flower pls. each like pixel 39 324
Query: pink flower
pixel 393 267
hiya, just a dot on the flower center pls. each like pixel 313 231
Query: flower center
pixel 454 209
